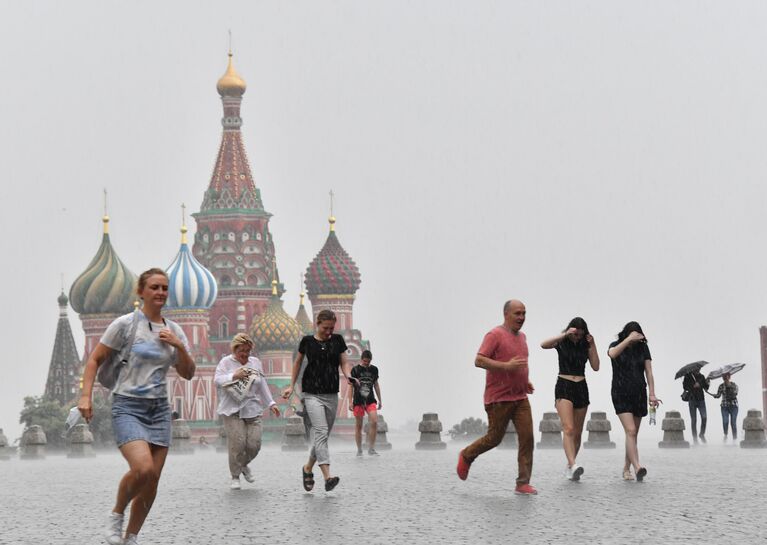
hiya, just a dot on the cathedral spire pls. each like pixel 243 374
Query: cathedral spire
pixel 63 371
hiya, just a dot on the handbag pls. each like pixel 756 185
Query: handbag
pixel 109 370
pixel 686 395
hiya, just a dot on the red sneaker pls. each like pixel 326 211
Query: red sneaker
pixel 525 490
pixel 463 467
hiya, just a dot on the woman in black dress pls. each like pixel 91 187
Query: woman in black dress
pixel 632 364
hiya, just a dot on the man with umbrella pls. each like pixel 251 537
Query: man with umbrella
pixel 694 384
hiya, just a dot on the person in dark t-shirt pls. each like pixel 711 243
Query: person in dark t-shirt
pixel 696 383
pixel 364 401
pixel 575 346
pixel 325 353
pixel 632 362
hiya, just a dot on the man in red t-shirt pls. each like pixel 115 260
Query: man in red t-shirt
pixel 503 355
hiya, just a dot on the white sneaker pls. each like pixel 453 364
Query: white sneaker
pixel 574 473
pixel 372 452
pixel 114 530
pixel 235 484
pixel 247 474
pixel 131 539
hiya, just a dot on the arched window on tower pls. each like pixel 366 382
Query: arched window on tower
pixel 223 327
pixel 226 281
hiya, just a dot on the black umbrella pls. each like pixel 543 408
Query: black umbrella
pixel 690 368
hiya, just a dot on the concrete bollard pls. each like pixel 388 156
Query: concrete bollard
pixel 294 434
pixel 673 431
pixel 510 437
pixel 33 443
pixel 551 431
pixel 431 433
pixel 80 442
pixel 222 445
pixel 181 442
pixel 753 430
pixel 599 428
pixel 5 452
pixel 382 442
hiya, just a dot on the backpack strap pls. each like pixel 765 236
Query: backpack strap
pixel 125 352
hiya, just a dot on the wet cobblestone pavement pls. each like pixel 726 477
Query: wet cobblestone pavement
pixel 706 494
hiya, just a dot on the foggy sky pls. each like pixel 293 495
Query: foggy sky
pixel 595 159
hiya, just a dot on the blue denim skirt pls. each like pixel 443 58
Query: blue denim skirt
pixel 141 419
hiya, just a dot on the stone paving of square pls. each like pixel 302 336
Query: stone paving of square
pixel 706 494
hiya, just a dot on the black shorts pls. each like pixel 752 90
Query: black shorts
pixel 630 401
pixel 576 392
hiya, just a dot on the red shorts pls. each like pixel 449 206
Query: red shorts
pixel 360 410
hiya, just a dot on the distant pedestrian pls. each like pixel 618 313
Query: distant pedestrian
pixel 503 354
pixel 366 400
pixel 325 352
pixel 728 391
pixel 242 410
pixel 575 346
pixel 632 364
pixel 695 383
pixel 141 415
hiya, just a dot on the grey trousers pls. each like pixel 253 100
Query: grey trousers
pixel 243 437
pixel 321 411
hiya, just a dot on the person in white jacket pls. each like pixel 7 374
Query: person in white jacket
pixel 244 396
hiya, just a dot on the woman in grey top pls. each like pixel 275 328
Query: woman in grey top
pixel 140 411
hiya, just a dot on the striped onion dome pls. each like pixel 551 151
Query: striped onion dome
pixel 333 271
pixel 275 329
pixel 190 284
pixel 107 286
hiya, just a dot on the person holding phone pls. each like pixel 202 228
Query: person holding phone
pixel 632 376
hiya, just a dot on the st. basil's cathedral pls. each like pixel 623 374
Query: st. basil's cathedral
pixel 227 283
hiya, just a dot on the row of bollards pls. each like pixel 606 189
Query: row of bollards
pixel 598 428
pixel 33 440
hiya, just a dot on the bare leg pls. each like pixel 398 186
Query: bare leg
pixel 139 485
pixel 358 432
pixel 372 429
pixel 565 411
pixel 631 428
pixel 579 418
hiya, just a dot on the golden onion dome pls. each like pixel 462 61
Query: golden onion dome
pixel 275 329
pixel 231 84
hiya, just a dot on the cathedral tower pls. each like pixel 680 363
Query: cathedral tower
pixel 233 239
pixel 64 371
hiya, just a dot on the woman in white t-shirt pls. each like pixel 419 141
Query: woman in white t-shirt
pixel 141 415
pixel 244 396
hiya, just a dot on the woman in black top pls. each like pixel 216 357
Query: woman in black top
pixel 574 347
pixel 631 364
pixel 325 353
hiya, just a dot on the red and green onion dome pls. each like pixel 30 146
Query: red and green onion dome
pixel 107 286
pixel 275 329
pixel 333 271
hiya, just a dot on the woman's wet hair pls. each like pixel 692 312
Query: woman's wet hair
pixel 142 279
pixel 324 315
pixel 241 339
pixel 628 329
pixel 366 355
pixel 579 323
